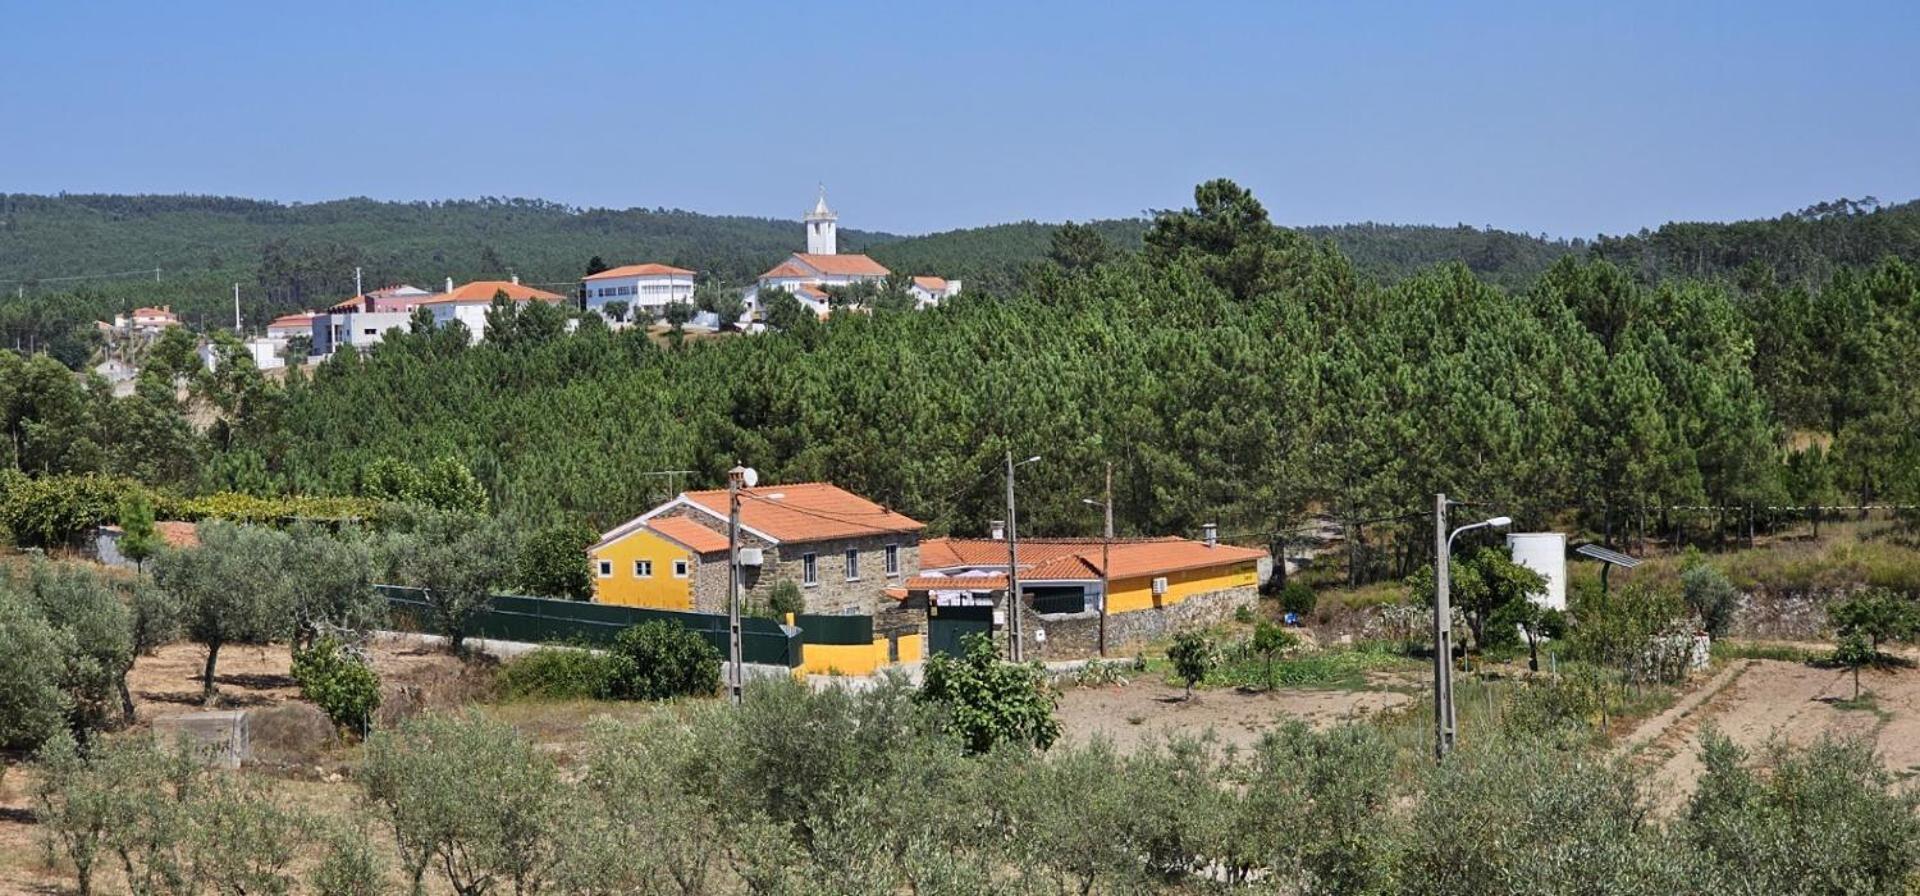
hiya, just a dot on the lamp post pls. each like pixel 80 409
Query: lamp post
pixel 737 478
pixel 1014 648
pixel 1445 725
pixel 1106 551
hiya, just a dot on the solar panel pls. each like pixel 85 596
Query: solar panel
pixel 1607 555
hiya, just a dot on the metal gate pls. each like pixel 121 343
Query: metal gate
pixel 948 627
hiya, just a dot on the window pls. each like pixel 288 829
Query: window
pixel 853 566
pixel 809 570
pixel 679 569
pixel 893 559
pixel 606 569
pixel 643 569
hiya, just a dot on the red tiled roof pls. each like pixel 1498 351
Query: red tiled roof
pixel 931 284
pixel 178 534
pixel 639 270
pixel 786 269
pixel 292 320
pixel 807 511
pixel 1079 558
pixel 689 533
pixel 994 582
pixel 164 311
pixel 843 265
pixel 485 290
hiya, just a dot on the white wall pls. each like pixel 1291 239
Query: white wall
pixel 654 293
pixel 1546 554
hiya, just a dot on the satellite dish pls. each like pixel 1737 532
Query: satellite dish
pixel 750 476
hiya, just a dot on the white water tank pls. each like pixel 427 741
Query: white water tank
pixel 1546 554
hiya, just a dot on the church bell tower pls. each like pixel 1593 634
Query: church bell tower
pixel 823 236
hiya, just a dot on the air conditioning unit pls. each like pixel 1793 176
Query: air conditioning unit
pixel 751 556
pixel 1159 586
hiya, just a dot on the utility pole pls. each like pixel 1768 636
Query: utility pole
pixel 1013 571
pixel 236 308
pixel 735 478
pixel 1443 720
pixel 1106 557
pixel 358 290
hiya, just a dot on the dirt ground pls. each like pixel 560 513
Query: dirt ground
pixel 1145 711
pixel 1754 702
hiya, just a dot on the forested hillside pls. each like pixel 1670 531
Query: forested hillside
pixel 1802 247
pixel 1234 372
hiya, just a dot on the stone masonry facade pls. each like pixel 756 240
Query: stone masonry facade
pixel 1077 635
pixel 832 593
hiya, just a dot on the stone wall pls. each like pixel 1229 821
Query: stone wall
pixel 1077 635
pixel 833 595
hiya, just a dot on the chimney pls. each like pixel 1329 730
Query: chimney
pixel 1210 533
pixel 449 284
pixel 997 530
pixel 516 279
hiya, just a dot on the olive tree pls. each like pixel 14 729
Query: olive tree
pixel 99 628
pixel 232 589
pixel 458 562
pixel 33 657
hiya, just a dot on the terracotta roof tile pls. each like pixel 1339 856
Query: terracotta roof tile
pixel 807 511
pixel 640 270
pixel 1079 558
pixel 484 291
pixel 700 539
pixel 786 269
pixel 843 265
pixel 994 582
pixel 931 284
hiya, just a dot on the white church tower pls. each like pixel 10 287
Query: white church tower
pixel 823 237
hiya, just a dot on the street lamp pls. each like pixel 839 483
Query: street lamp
pixel 1014 649
pixel 737 478
pixel 1445 726
pixel 1106 551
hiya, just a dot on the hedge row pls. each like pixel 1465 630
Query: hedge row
pixel 46 511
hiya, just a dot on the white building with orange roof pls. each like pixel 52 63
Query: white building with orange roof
pixel 363 320
pixel 812 274
pixel 468 302
pixel 646 289
pixel 146 320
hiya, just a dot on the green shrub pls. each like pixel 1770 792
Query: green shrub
pixel 340 683
pixel 560 673
pixel 1193 656
pixel 784 598
pixel 989 701
pixel 1298 598
pixel 33 659
pixel 662 660
pixel 55 510
pixel 1710 597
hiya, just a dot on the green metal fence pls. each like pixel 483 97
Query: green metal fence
pixel 834 629
pixel 538 620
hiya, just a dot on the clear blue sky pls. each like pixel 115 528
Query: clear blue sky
pixel 1593 117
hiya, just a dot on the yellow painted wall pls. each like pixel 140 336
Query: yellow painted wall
pixel 860 659
pixel 662 591
pixel 1137 593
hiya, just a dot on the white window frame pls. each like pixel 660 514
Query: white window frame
pixel 893 561
pixel 853 564
pixel 680 568
pixel 643 569
pixel 809 570
pixel 606 569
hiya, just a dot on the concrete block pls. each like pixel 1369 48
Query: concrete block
pixel 219 739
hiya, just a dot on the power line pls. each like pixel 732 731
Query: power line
pixel 37 280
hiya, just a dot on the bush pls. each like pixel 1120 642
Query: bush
pixel 662 660
pixel 339 682
pixel 785 597
pixel 560 673
pixel 1193 656
pixel 989 702
pixel 33 661
pixel 1299 599
pixel 56 510
pixel 1710 597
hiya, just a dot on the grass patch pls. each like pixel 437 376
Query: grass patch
pixel 1866 702
pixel 1332 669
pixel 1766 650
